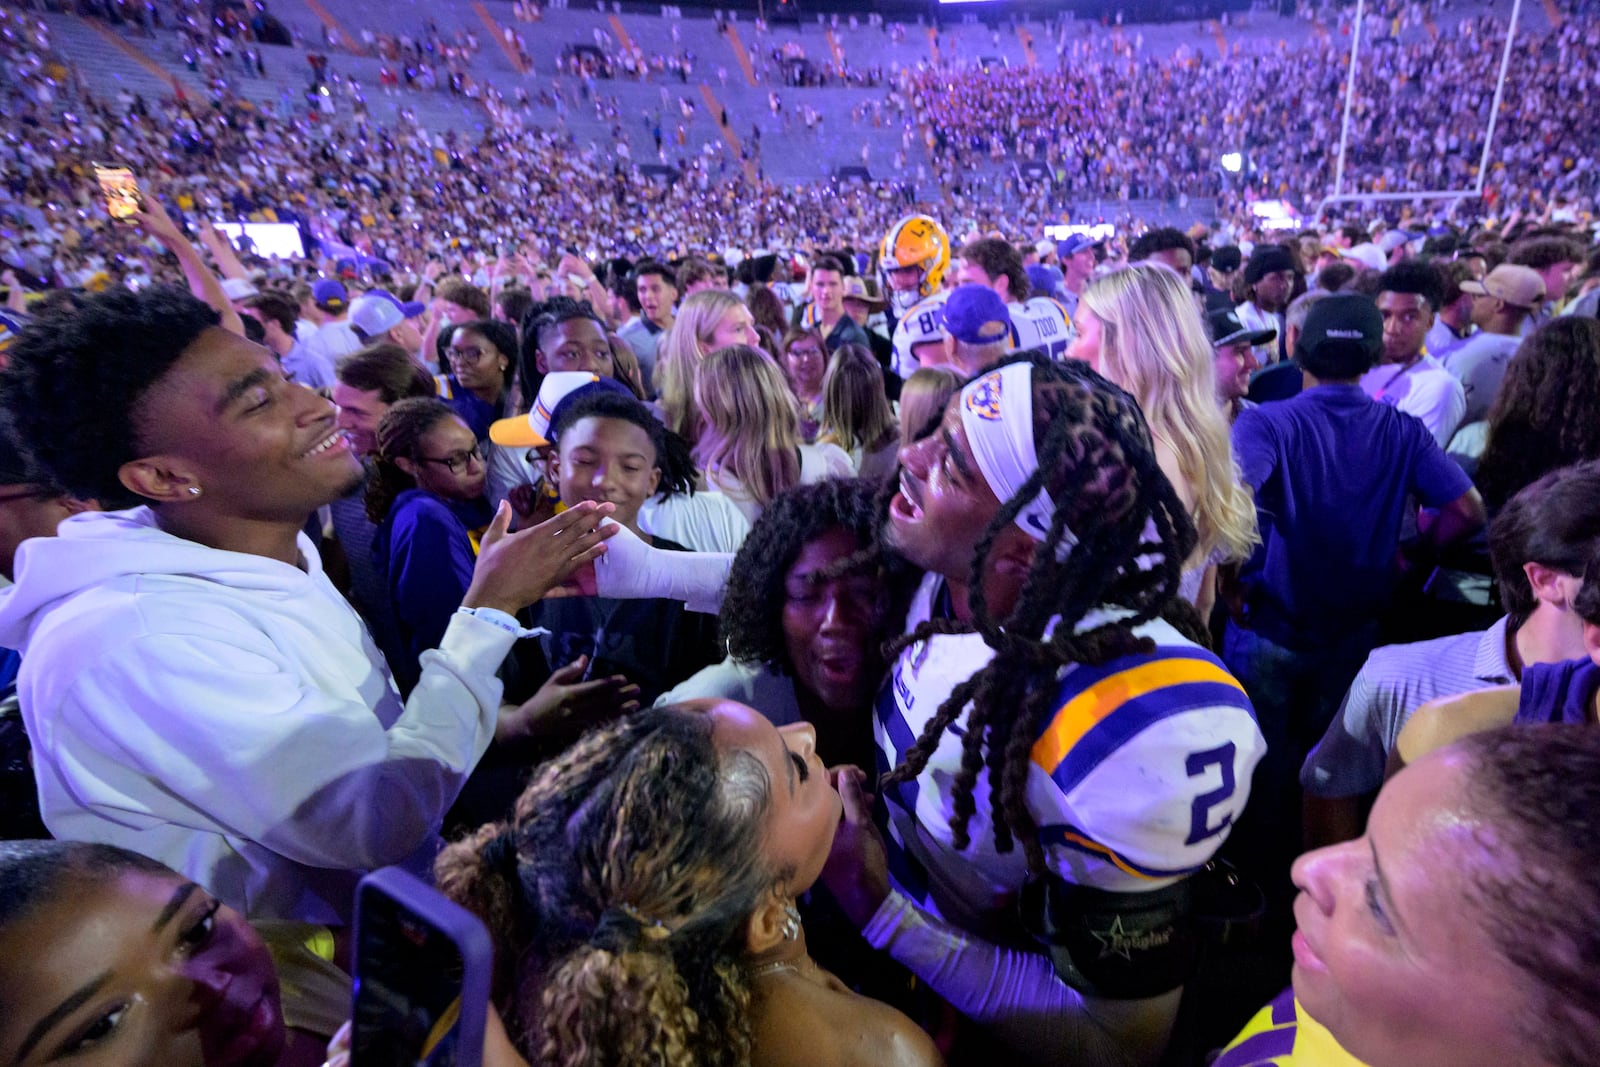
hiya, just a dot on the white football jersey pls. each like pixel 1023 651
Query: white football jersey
pixel 1041 322
pixel 922 323
pixel 1135 781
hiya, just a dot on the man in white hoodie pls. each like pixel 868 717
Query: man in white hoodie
pixel 194 686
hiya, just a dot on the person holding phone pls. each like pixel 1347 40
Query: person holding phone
pixel 197 689
pixel 642 901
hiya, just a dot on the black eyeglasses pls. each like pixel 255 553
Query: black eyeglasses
pixel 456 462
pixel 464 354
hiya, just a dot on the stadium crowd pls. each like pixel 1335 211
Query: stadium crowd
pixel 1419 115
pixel 797 625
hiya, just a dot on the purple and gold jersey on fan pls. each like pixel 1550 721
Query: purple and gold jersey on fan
pixel 1135 780
pixel 1282 1035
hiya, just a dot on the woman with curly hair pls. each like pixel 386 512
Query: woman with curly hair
pixel 805 619
pixel 426 497
pixel 1547 412
pixel 1140 328
pixel 750 447
pixel 708 320
pixel 642 901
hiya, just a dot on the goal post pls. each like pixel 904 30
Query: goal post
pixel 1339 196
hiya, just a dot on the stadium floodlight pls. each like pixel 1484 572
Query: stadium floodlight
pixel 1233 162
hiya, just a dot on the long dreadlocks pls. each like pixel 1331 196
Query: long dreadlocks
pixel 1132 534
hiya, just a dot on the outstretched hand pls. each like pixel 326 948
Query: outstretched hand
pixel 566 705
pixel 518 569
pixel 857 871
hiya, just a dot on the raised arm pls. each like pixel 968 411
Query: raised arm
pixel 204 284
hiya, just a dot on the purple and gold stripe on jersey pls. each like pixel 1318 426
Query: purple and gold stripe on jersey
pixel 1073 838
pixel 1141 690
pixel 1282 1035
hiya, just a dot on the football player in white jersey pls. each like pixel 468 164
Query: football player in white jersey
pixel 1037 321
pixel 1061 757
pixel 919 336
pixel 912 263
pixel 1062 754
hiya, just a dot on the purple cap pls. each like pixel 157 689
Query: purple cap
pixel 1076 243
pixel 975 315
pixel 330 294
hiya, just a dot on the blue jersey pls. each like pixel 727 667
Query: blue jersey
pixel 1135 780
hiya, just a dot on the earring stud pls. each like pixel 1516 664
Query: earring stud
pixel 194 490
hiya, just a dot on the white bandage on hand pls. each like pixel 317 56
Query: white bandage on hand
pixel 633 570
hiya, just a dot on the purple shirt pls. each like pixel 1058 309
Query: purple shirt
pixel 1334 473
pixel 1558 692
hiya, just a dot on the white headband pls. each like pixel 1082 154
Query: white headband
pixel 997 415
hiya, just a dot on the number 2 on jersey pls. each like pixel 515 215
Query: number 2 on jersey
pixel 1200 826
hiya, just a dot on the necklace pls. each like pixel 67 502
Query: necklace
pixel 779 967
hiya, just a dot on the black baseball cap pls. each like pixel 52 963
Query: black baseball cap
pixel 1227 259
pixel 1343 329
pixel 1226 329
pixel 1265 260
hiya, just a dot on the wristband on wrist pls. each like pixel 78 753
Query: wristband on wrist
pixel 500 620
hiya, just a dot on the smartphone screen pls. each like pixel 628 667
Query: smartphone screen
pixel 421 986
pixel 121 190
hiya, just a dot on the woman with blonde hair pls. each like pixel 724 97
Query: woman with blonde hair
pixel 707 320
pixel 750 446
pixel 856 414
pixel 923 399
pixel 1140 328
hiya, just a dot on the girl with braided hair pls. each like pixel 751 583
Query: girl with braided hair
pixel 642 900
pixel 426 498
pixel 1048 734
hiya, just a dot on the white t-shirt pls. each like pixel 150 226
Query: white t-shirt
pixel 1424 389
pixel 817 462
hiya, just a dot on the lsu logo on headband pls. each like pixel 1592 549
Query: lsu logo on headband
pixel 983 397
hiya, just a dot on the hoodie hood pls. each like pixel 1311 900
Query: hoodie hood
pixel 126 549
